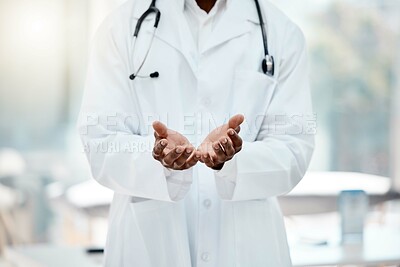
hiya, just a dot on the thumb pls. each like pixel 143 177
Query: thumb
pixel 235 121
pixel 160 129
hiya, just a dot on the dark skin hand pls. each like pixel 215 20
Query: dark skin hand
pixel 222 143
pixel 172 149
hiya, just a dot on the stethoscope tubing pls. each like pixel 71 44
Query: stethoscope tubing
pixel 147 52
pixel 262 27
pixel 267 63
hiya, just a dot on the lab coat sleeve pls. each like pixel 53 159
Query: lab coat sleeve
pixel 119 157
pixel 277 160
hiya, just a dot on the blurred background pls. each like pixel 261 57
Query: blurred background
pixel 49 204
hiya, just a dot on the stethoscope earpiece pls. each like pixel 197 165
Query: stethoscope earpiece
pixel 154 74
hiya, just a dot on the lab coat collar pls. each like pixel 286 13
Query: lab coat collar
pixel 242 9
pixel 234 23
pixel 174 30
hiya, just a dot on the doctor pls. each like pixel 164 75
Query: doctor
pixel 197 125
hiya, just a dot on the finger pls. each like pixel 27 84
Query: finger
pixel 160 129
pixel 235 121
pixel 227 145
pixel 173 155
pixel 236 140
pixel 193 159
pixel 210 148
pixel 207 160
pixel 158 149
pixel 237 129
pixel 198 155
pixel 222 141
pixel 205 147
pixel 219 153
pixel 179 162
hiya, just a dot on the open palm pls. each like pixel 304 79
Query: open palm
pixel 172 149
pixel 222 143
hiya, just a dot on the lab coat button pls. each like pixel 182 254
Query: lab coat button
pixel 207 203
pixel 205 257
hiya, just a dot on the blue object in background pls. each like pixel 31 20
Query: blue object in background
pixel 353 207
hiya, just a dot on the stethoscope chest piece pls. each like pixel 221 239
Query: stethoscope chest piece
pixel 268 65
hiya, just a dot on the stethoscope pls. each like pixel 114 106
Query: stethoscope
pixel 267 65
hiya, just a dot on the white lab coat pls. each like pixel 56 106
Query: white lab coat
pixel 197 217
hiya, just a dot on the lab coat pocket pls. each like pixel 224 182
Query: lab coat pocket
pixel 162 228
pixel 252 94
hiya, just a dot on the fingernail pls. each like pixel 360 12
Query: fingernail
pixel 216 147
pixel 162 142
pixel 224 140
pixel 178 150
pixel 188 150
pixel 231 132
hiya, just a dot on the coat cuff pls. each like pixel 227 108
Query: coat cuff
pixel 225 179
pixel 178 182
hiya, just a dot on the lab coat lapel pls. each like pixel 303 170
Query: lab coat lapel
pixel 234 23
pixel 173 28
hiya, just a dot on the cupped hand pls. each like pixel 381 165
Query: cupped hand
pixel 172 149
pixel 222 143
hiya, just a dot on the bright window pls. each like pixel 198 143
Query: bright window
pixel 353 49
